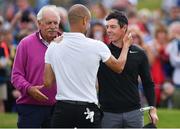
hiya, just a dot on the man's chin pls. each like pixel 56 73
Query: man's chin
pixel 53 35
pixel 111 40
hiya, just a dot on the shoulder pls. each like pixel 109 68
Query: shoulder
pixel 99 43
pixel 90 40
pixel 94 41
pixel 28 40
pixel 29 37
pixel 136 48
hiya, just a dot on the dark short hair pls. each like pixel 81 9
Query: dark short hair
pixel 120 16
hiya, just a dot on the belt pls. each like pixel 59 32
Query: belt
pixel 76 102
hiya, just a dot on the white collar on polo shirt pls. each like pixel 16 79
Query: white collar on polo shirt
pixel 43 41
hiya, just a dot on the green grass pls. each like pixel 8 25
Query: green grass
pixel 167 119
pixel 8 120
pixel 150 4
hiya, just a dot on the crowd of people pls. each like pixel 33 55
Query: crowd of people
pixel 26 32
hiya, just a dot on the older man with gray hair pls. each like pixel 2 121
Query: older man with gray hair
pixel 36 102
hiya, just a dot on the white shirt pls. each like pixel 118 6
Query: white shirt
pixel 75 62
pixel 174 57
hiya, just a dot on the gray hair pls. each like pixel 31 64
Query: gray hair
pixel 173 26
pixel 52 8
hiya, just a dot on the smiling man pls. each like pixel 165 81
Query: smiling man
pixel 74 64
pixel 118 92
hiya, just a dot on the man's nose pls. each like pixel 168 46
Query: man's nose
pixel 54 25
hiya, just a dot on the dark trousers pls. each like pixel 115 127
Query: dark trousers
pixel 69 114
pixel 34 116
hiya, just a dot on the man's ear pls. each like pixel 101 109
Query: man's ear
pixel 85 20
pixel 125 28
pixel 39 22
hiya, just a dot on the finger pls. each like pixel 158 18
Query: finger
pixel 128 32
pixel 150 118
pixel 130 35
pixel 39 87
pixel 58 39
pixel 155 120
pixel 41 96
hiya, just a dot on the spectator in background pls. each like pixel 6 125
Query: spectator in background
pixel 137 35
pixel 64 24
pixel 24 19
pixel 98 32
pixel 141 19
pixel 173 31
pixel 158 47
pixel 99 12
pixel 108 4
pixel 40 4
pixel 174 15
pixel 4 57
pixel 36 103
pixel 167 5
pixel 23 5
pixel 145 24
pixel 173 50
pixel 8 40
pixel 9 14
pixel 121 5
pixel 3 77
pixel 167 91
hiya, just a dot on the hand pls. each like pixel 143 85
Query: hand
pixel 35 92
pixel 16 93
pixel 18 15
pixel 58 39
pixel 153 116
pixel 127 40
pixel 31 16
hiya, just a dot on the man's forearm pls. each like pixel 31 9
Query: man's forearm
pixel 123 57
pixel 49 76
pixel 19 82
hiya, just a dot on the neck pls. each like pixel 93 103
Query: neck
pixel 45 38
pixel 118 44
pixel 76 28
pixel 48 39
